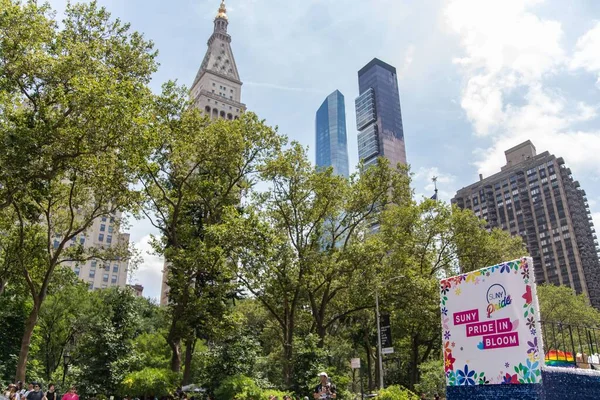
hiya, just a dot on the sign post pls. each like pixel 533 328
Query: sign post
pixel 355 364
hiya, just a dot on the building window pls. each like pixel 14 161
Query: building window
pixel 110 229
pixel 108 238
pixel 56 244
pixel 91 286
pixel 103 219
pixel 77 270
pixel 116 268
pixel 92 273
pixel 94 262
pixel 82 240
pixel 101 237
pixel 105 278
pixel 102 228
pixel 113 279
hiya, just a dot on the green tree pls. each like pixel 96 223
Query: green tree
pixel 199 169
pixel 303 242
pixel 433 380
pixel 62 318
pixel 72 133
pixel 422 243
pixel 238 387
pixel 104 354
pixel 560 305
pixel 150 382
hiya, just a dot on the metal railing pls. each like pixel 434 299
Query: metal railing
pixel 571 345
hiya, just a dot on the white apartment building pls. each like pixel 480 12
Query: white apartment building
pixel 100 274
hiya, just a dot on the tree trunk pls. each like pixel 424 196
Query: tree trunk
pixel 187 366
pixel 26 341
pixel 369 358
pixel 322 332
pixel 288 352
pixel 414 362
pixel 175 345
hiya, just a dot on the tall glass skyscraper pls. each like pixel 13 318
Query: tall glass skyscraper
pixel 378 115
pixel 331 138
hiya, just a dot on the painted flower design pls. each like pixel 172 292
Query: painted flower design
pixel 530 322
pixel 447 348
pixel 510 379
pixel 533 346
pixel 532 331
pixel 445 287
pixel 449 362
pixel 465 377
pixel 447 335
pixel 457 291
pixel 525 273
pixel 531 368
pixel 528 296
pixel 507 365
pixel 505 268
pixel 444 311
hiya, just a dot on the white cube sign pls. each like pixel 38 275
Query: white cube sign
pixel 490 326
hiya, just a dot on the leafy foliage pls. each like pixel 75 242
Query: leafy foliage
pixel 238 387
pixel 153 382
pixel 559 304
pixel 432 380
pixel 396 393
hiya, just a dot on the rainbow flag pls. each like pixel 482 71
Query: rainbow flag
pixel 559 358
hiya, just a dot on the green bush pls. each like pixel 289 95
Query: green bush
pixel 150 381
pixel 272 392
pixel 238 387
pixel 433 379
pixel 396 393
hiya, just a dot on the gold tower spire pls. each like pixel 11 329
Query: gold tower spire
pixel 222 11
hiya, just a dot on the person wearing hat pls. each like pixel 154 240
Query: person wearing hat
pixel 325 389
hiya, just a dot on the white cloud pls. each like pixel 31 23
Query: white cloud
pixel 596 219
pixel 424 186
pixel 587 52
pixel 409 57
pixel 149 273
pixel 506 47
pixel 509 54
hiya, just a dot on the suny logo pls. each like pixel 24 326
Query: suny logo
pixel 497 299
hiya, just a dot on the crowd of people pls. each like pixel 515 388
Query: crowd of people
pixel 33 391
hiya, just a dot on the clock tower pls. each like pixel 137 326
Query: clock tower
pixel 217 89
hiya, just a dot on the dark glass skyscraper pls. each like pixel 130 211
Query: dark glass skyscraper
pixel 331 139
pixel 378 115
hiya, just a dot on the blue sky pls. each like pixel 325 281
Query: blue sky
pixel 476 77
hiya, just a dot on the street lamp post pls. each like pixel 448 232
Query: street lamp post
pixel 66 360
pixel 379 354
pixel 379 349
